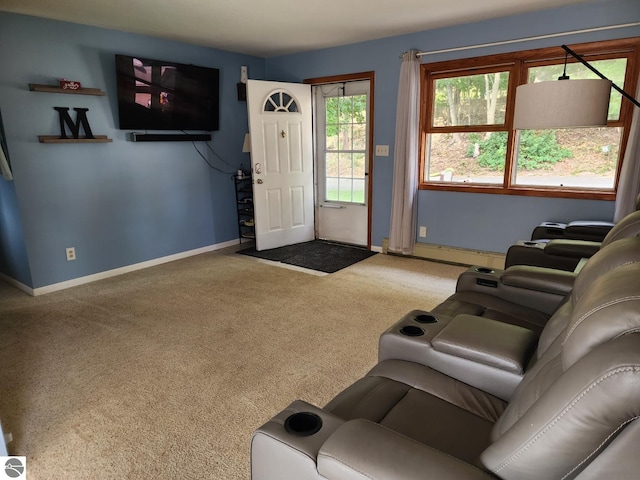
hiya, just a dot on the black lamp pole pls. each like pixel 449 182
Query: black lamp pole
pixel 594 70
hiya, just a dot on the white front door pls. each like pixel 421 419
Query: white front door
pixel 281 162
pixel 342 156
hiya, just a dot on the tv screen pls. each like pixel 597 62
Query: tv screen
pixel 158 95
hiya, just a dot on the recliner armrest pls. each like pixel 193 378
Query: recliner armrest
pixel 277 454
pixel 541 279
pixel 538 288
pixel 548 230
pixel 362 449
pixel 496 344
pixel 572 248
pixel 469 354
pixel 591 230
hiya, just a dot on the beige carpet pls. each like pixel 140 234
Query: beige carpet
pixel 165 372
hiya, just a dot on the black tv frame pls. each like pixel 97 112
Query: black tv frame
pixel 132 116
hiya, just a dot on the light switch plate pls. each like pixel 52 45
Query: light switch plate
pixel 382 150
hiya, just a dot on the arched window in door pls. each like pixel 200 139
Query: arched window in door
pixel 281 101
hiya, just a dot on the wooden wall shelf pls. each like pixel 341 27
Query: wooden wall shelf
pixel 34 87
pixel 57 139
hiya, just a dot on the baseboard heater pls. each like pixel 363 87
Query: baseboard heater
pixel 170 137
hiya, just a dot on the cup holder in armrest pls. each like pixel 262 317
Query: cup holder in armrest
pixel 303 424
pixel 531 244
pixel 411 331
pixel 425 318
pixel 484 270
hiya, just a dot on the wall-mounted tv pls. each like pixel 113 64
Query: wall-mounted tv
pixel 158 95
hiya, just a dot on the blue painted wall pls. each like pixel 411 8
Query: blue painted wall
pixel 123 203
pixel 14 262
pixel 475 221
pixel 117 203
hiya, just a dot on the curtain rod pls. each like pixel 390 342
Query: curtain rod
pixel 527 39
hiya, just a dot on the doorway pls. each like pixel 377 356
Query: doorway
pixel 288 178
pixel 343 138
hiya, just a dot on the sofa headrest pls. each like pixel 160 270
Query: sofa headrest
pixel 629 226
pixel 622 252
pixel 608 308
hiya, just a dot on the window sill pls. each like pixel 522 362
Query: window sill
pixel 551 192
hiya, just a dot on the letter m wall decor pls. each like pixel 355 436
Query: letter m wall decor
pixel 81 120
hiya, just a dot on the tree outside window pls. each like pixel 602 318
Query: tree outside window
pixel 467 140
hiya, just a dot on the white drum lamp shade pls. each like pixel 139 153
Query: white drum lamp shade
pixel 562 104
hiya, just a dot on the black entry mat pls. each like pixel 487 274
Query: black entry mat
pixel 316 255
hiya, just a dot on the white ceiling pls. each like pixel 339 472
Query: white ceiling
pixel 267 28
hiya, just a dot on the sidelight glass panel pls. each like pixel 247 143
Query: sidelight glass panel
pixel 345 148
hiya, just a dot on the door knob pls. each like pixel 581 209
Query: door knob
pixel 259 181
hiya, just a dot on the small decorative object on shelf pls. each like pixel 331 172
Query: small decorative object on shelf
pixel 244 205
pixel 65 84
pixel 36 87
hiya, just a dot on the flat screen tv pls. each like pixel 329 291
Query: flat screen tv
pixel 158 95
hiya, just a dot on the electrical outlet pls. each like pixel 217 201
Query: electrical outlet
pixel 71 253
pixel 423 232
pixel 382 150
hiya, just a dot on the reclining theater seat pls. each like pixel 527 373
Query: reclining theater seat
pixel 538 282
pixel 490 353
pixel 589 230
pixel 576 409
pixel 565 254
pixel 574 414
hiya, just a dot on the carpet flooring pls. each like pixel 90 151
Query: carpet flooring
pixel 166 372
pixel 327 257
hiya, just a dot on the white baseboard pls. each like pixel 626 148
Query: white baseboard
pixel 377 249
pixel 116 271
pixel 16 283
pixel 461 256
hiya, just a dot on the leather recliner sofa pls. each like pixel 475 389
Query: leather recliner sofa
pixel 590 230
pixel 566 253
pixel 572 411
pixel 528 296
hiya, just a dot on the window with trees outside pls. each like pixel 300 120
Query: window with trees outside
pixel 345 145
pixel 467 142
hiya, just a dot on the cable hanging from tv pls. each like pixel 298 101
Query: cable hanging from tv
pixel 210 164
